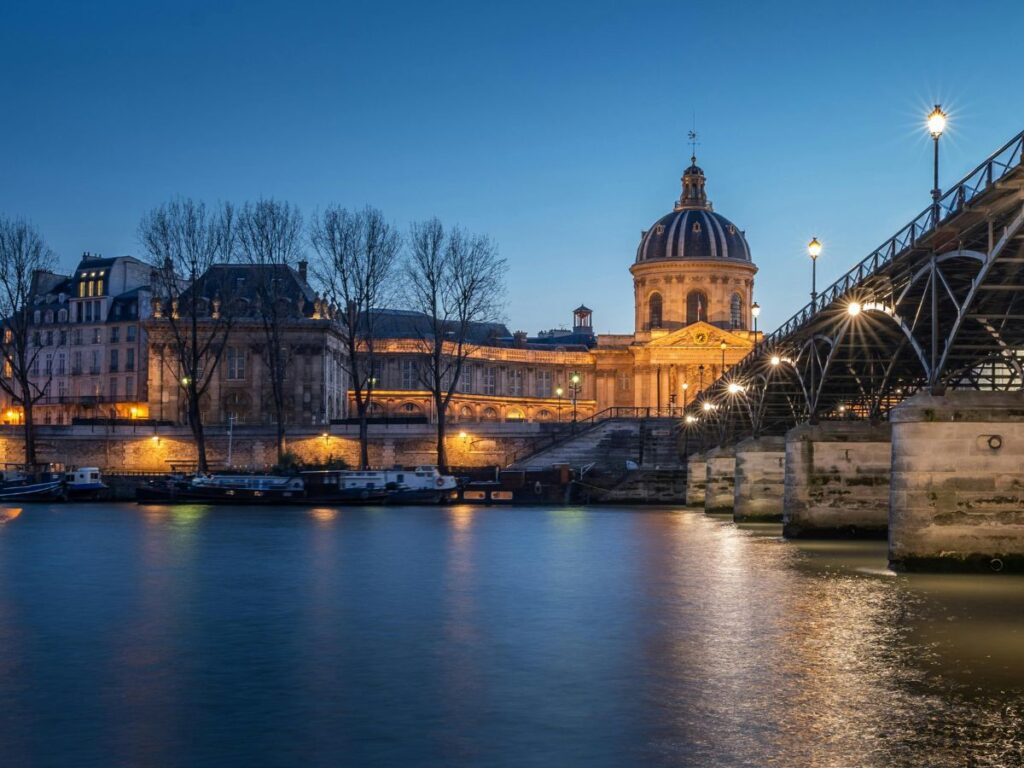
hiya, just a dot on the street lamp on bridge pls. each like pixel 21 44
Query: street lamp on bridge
pixel 936 125
pixel 755 312
pixel 814 250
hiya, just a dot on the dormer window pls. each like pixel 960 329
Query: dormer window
pixel 696 226
pixel 732 229
pixel 660 229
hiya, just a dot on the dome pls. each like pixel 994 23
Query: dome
pixel 693 230
pixel 693 234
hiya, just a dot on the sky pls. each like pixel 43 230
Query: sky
pixel 558 129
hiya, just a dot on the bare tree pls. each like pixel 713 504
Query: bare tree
pixel 184 241
pixel 456 279
pixel 356 256
pixel 23 257
pixel 270 239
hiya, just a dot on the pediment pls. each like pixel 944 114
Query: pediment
pixel 700 335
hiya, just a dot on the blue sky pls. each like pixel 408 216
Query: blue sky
pixel 559 130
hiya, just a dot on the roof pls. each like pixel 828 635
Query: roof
pixel 408 324
pixel 242 281
pixel 693 234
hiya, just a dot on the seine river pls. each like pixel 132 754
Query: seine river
pixel 194 636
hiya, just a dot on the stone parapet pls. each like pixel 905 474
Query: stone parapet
pixel 957 500
pixel 719 493
pixel 696 480
pixel 760 479
pixel 837 480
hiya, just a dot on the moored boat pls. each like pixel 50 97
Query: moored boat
pixel 223 489
pixel 20 485
pixel 84 483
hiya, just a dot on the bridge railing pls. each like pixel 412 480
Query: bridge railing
pixel 954 201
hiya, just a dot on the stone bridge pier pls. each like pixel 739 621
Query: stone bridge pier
pixel 837 480
pixel 760 480
pixel 957 500
pixel 696 479
pixel 719 493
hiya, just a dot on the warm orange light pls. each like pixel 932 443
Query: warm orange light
pixel 936 122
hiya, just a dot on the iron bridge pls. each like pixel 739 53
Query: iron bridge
pixel 939 305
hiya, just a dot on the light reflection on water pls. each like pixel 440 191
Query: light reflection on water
pixel 467 636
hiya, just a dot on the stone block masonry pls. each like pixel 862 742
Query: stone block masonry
pixel 760 479
pixel 719 494
pixel 696 480
pixel 957 498
pixel 145 449
pixel 837 480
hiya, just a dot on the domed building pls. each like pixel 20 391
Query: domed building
pixel 693 283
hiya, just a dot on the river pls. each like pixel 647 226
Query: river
pixel 197 636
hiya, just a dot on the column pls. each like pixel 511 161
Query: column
pixel 957 484
pixel 837 480
pixel 760 479
pixel 696 480
pixel 719 494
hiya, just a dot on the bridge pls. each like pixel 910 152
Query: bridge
pixel 893 402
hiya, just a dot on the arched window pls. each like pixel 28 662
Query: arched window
pixel 736 311
pixel 654 310
pixel 489 414
pixel 696 307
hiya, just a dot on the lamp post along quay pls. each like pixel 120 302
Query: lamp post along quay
pixel 813 250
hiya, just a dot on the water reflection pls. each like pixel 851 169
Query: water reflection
pixel 469 636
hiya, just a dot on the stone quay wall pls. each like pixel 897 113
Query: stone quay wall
pixel 760 479
pixel 957 498
pixel 837 480
pixel 148 449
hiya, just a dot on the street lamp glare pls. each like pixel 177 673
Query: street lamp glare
pixel 936 122
pixel 708 406
pixel 814 247
pixel 686 385
pixel 559 391
pixel 734 388
pixel 776 360
pixel 575 378
pixel 690 418
pixel 755 309
pixel 853 308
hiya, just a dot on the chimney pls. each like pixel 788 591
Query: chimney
pixel 303 269
pixel 519 339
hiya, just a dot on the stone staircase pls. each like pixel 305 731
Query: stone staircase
pixel 609 444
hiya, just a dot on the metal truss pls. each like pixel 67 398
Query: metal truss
pixel 938 305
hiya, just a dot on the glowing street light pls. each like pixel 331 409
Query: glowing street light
pixel 708 406
pixel 814 251
pixel 936 125
pixel 755 312
pixel 691 419
pixel 775 360
pixel 558 393
pixel 734 388
pixel 853 308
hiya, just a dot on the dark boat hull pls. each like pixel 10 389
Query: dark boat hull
pixel 50 490
pixel 185 493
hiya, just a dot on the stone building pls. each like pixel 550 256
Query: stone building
pixel 316 383
pixel 89 342
pixel 693 283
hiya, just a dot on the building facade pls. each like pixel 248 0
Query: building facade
pixel 240 391
pixel 693 284
pixel 89 343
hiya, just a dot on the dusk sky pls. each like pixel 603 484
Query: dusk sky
pixel 561 132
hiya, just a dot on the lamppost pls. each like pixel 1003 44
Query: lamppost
pixel 723 346
pixel 686 386
pixel 755 312
pixel 700 370
pixel 558 393
pixel 936 125
pixel 814 250
pixel 574 384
